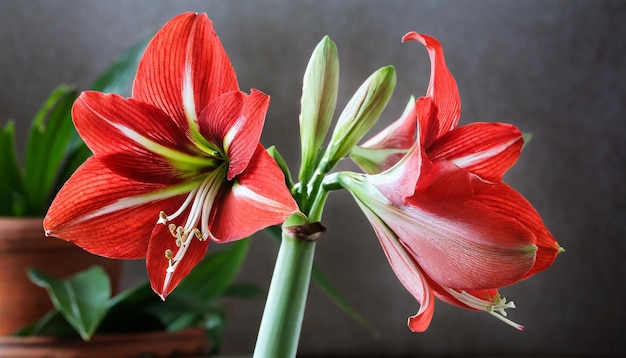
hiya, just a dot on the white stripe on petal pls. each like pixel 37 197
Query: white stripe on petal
pixel 478 157
pixel 189 105
pixel 129 202
pixel 243 192
pixel 233 131
pixel 147 143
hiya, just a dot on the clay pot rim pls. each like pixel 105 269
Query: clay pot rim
pixel 187 342
pixel 104 338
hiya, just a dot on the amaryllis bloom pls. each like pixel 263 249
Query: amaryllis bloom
pixel 176 164
pixel 448 224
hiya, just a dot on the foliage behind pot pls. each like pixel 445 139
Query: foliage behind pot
pixel 53 150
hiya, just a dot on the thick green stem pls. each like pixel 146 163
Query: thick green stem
pixel 284 309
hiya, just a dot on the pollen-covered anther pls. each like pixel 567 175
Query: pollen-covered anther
pixel 169 254
pixel 162 218
pixel 198 234
pixel 499 304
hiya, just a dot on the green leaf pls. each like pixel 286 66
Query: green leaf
pixel 212 276
pixel 81 299
pixel 50 133
pixel 322 281
pixel 129 311
pixel 215 325
pixel 138 294
pixel 193 301
pixel 72 161
pixel 118 78
pixel 242 290
pixel 10 180
pixel 52 324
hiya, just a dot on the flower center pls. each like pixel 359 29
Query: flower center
pixel 200 203
pixel 495 307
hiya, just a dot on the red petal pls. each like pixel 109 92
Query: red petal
pixel 506 201
pixel 442 89
pixel 463 244
pixel 445 181
pixel 400 181
pixel 406 269
pixel 121 233
pixel 400 134
pixel 485 149
pixel 184 67
pixel 258 198
pixel 234 121
pixel 119 130
pixel 157 264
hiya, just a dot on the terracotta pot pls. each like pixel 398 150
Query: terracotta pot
pixel 24 245
pixel 191 342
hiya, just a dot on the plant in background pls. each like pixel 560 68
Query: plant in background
pixel 84 306
pixel 188 167
pixel 53 149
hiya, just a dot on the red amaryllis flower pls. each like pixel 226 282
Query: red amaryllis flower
pixel 174 165
pixel 448 224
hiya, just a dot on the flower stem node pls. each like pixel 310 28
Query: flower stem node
pixel 307 232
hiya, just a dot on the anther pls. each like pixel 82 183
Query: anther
pixel 172 228
pixel 169 254
pixel 198 234
pixel 162 218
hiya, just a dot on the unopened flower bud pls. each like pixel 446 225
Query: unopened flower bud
pixel 319 98
pixel 360 114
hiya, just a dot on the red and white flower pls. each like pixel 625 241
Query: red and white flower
pixel 448 224
pixel 176 164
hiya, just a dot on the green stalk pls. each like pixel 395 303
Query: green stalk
pixel 284 309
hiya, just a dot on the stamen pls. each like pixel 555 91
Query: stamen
pixel 191 196
pixel 496 307
pixel 201 199
pixel 162 218
pixel 199 235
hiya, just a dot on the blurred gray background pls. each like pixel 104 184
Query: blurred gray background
pixel 554 68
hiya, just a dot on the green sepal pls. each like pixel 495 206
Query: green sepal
pixel 527 137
